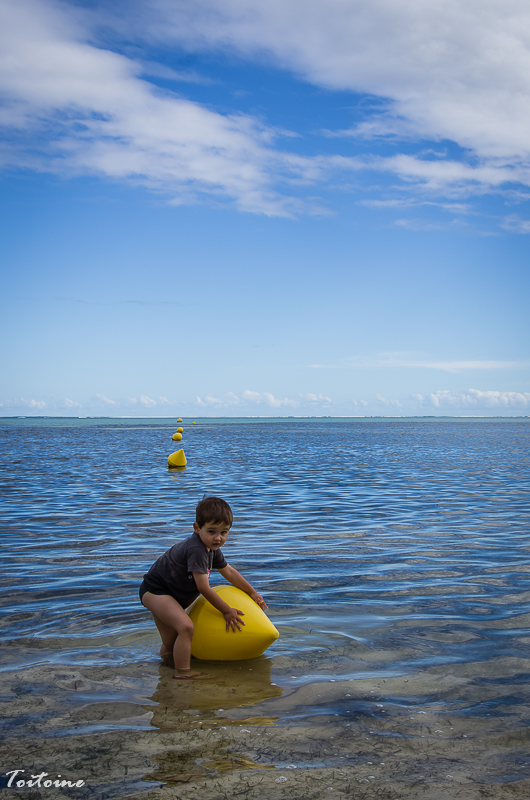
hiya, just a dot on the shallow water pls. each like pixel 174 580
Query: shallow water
pixel 392 550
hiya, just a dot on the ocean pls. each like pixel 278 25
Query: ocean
pixel 393 553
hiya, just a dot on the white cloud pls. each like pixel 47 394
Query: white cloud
pixel 458 366
pixel 475 399
pixel 105 400
pixel 247 398
pixel 73 108
pixel 316 398
pixel 420 224
pixel 388 402
pixel 274 402
pixel 211 401
pixel 155 70
pixel 70 404
pixel 440 175
pixel 470 401
pixel 449 69
pixel 252 396
pixel 20 403
pixel 410 202
pixel 515 224
pixel 143 400
pixel 402 360
pixel 456 70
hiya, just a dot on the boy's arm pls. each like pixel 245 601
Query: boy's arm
pixel 231 615
pixel 236 579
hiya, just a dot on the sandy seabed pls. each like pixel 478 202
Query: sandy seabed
pixel 129 730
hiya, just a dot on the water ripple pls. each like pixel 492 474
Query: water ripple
pixel 405 534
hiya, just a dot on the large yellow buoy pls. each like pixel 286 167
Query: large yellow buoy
pixel 180 430
pixel 177 436
pixel 211 642
pixel 177 459
pixel 179 419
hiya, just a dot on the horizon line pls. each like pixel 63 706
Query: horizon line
pixel 290 416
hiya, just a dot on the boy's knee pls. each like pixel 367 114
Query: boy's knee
pixel 188 628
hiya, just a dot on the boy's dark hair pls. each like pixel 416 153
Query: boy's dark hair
pixel 213 509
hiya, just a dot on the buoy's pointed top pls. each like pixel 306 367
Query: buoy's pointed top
pixel 177 459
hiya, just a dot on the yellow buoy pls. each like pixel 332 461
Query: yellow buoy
pixel 193 423
pixel 177 459
pixel 177 436
pixel 180 430
pixel 179 419
pixel 211 642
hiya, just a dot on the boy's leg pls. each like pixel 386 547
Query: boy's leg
pixel 175 628
pixel 168 636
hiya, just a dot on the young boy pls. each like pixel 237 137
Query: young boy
pixel 181 575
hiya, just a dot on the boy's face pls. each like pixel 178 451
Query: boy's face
pixel 213 534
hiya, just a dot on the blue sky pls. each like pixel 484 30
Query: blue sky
pixel 222 207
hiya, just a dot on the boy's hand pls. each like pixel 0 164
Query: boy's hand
pixel 233 619
pixel 259 600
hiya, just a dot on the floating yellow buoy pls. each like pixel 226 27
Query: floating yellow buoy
pixel 179 419
pixel 193 423
pixel 177 459
pixel 177 437
pixel 180 430
pixel 211 642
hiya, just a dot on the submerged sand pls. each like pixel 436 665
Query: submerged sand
pixel 129 730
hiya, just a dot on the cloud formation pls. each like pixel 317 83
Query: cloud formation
pixel 148 402
pixel 450 71
pixel 475 399
pixel 246 401
pixel 21 404
pixel 442 401
pixel 106 401
pixel 388 401
pixel 97 403
pixel 74 108
pixel 403 360
pixel 453 70
pixel 249 399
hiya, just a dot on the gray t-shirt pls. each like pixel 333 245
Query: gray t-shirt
pixel 173 572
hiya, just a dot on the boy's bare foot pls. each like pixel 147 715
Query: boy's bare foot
pixel 190 675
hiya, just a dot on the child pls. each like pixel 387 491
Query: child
pixel 181 575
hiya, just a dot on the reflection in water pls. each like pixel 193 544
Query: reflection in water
pixel 181 706
pixel 233 684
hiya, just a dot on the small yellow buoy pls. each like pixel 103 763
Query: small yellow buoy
pixel 179 419
pixel 177 437
pixel 177 459
pixel 193 423
pixel 211 642
pixel 180 430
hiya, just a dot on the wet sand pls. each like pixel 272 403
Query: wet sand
pixel 129 730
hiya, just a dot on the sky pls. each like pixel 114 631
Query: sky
pixel 265 207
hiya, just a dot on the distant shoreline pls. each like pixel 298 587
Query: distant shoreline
pixel 264 417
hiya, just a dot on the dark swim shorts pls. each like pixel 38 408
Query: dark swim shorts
pixel 183 600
